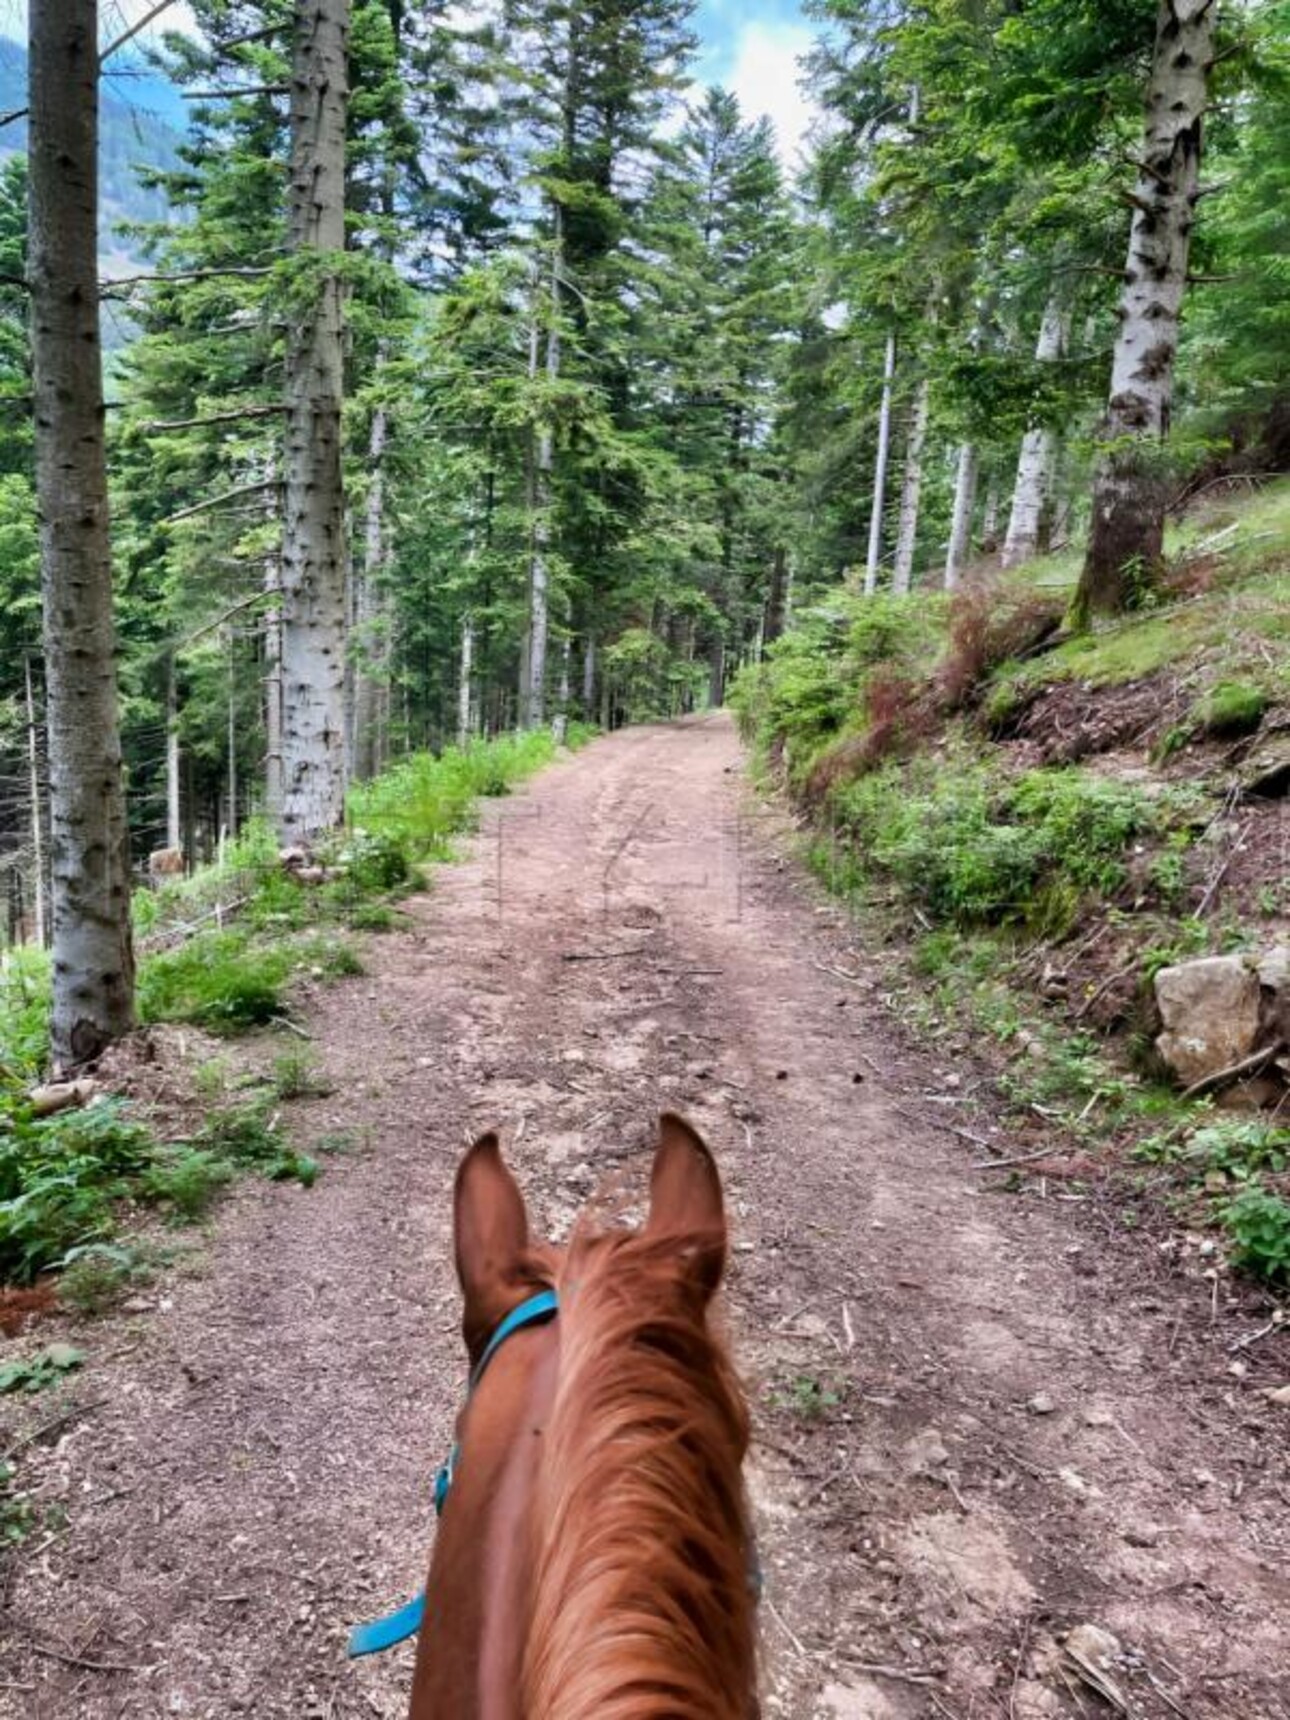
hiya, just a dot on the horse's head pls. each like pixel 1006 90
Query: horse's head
pixel 593 1550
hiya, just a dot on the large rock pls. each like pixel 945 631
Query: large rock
pixel 1210 1011
pixel 1274 977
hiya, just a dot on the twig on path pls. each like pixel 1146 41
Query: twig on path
pixel 1247 1066
pixel 291 1026
pixel 841 973
pixel 1010 1164
pixel 8 1685
pixel 48 1427
pixel 796 1641
pixel 1276 1324
pixel 1017 1669
pixel 1164 1695
pixel 949 1129
pixel 940 1706
pixel 900 1674
pixel 88 1665
pixel 603 955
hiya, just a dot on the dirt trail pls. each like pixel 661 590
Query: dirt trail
pixel 1029 1432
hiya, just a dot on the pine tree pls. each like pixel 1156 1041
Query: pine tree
pixel 93 964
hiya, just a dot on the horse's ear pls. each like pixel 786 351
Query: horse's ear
pixel 685 1200
pixel 490 1238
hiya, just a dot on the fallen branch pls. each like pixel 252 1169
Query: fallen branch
pixel 1011 1164
pixel 88 1665
pixel 949 1129
pixel 48 1427
pixel 602 955
pixel 900 1674
pixel 218 501
pixel 1234 1071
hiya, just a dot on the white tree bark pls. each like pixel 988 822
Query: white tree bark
pixel 273 693
pixel 588 677
pixel 1036 463
pixel 37 816
pixel 911 493
pixel 464 725
pixel 174 823
pixel 960 544
pixel 93 960
pixel 313 551
pixel 372 667
pixel 1129 491
pixel 990 519
pixel 880 471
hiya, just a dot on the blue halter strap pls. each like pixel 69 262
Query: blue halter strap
pixel 398 1626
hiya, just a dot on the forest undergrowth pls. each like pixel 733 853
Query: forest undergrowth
pixel 1040 821
pixel 224 952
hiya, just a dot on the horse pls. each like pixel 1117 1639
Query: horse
pixel 594 1556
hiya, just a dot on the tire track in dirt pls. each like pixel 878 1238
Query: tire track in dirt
pixel 1018 1442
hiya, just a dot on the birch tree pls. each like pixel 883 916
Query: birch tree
pixel 93 961
pixel 313 549
pixel 1037 460
pixel 1129 492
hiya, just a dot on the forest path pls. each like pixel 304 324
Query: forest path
pixel 1027 1435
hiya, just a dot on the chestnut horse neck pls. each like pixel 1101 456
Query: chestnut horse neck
pixel 641 1601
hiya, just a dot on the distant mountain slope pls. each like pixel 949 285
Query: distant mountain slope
pixel 136 130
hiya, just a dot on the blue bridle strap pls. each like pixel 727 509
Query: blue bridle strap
pixel 398 1626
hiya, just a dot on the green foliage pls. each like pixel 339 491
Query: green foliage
pixel 47 1368
pixel 1258 1223
pixel 973 850
pixel 96 1277
pixel 24 1015
pixel 295 1076
pixel 219 980
pixel 419 804
pixel 186 1181
pixel 58 1178
pixel 1231 708
pixel 808 1397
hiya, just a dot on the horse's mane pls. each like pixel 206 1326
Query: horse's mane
pixel 642 1601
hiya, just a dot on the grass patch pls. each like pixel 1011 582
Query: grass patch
pixel 422 802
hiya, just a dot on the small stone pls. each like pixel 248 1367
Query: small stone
pixel 1041 1404
pixel 1143 1535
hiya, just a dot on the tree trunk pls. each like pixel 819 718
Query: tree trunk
pixel 589 678
pixel 93 967
pixel 1035 466
pixel 880 471
pixel 273 695
pixel 539 575
pixel 777 601
pixel 372 666
pixel 960 545
pixel 174 822
pixel 990 519
pixel 232 731
pixel 1130 489
pixel 911 493
pixel 464 680
pixel 560 727
pixel 313 551
pixel 37 816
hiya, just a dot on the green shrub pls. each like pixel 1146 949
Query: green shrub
pixel 96 1276
pixel 216 980
pixel 295 1076
pixel 1258 1223
pixel 58 1179
pixel 24 1015
pixel 1230 709
pixel 974 851
pixel 34 1373
pixel 186 1181
pixel 421 802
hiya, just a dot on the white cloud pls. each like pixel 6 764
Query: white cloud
pixel 766 77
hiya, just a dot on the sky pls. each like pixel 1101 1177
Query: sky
pixel 750 46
